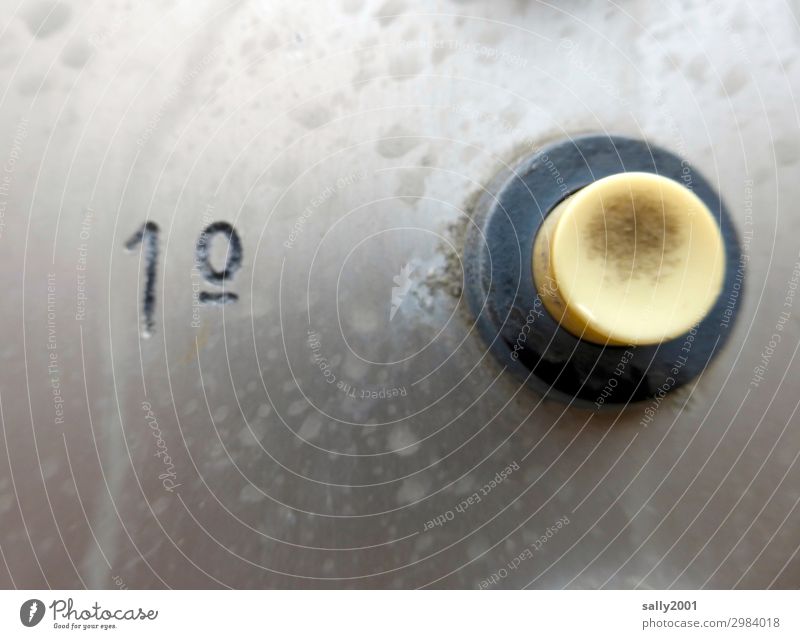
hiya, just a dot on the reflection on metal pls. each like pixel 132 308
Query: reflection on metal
pixel 308 434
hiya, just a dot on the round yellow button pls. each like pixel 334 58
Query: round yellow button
pixel 631 259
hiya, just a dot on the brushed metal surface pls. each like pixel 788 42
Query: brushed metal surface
pixel 342 424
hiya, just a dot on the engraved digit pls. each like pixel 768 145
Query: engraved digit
pixel 147 236
pixel 233 262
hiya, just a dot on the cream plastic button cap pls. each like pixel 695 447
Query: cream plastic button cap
pixel 631 259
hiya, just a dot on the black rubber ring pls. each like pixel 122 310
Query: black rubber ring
pixel 513 321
